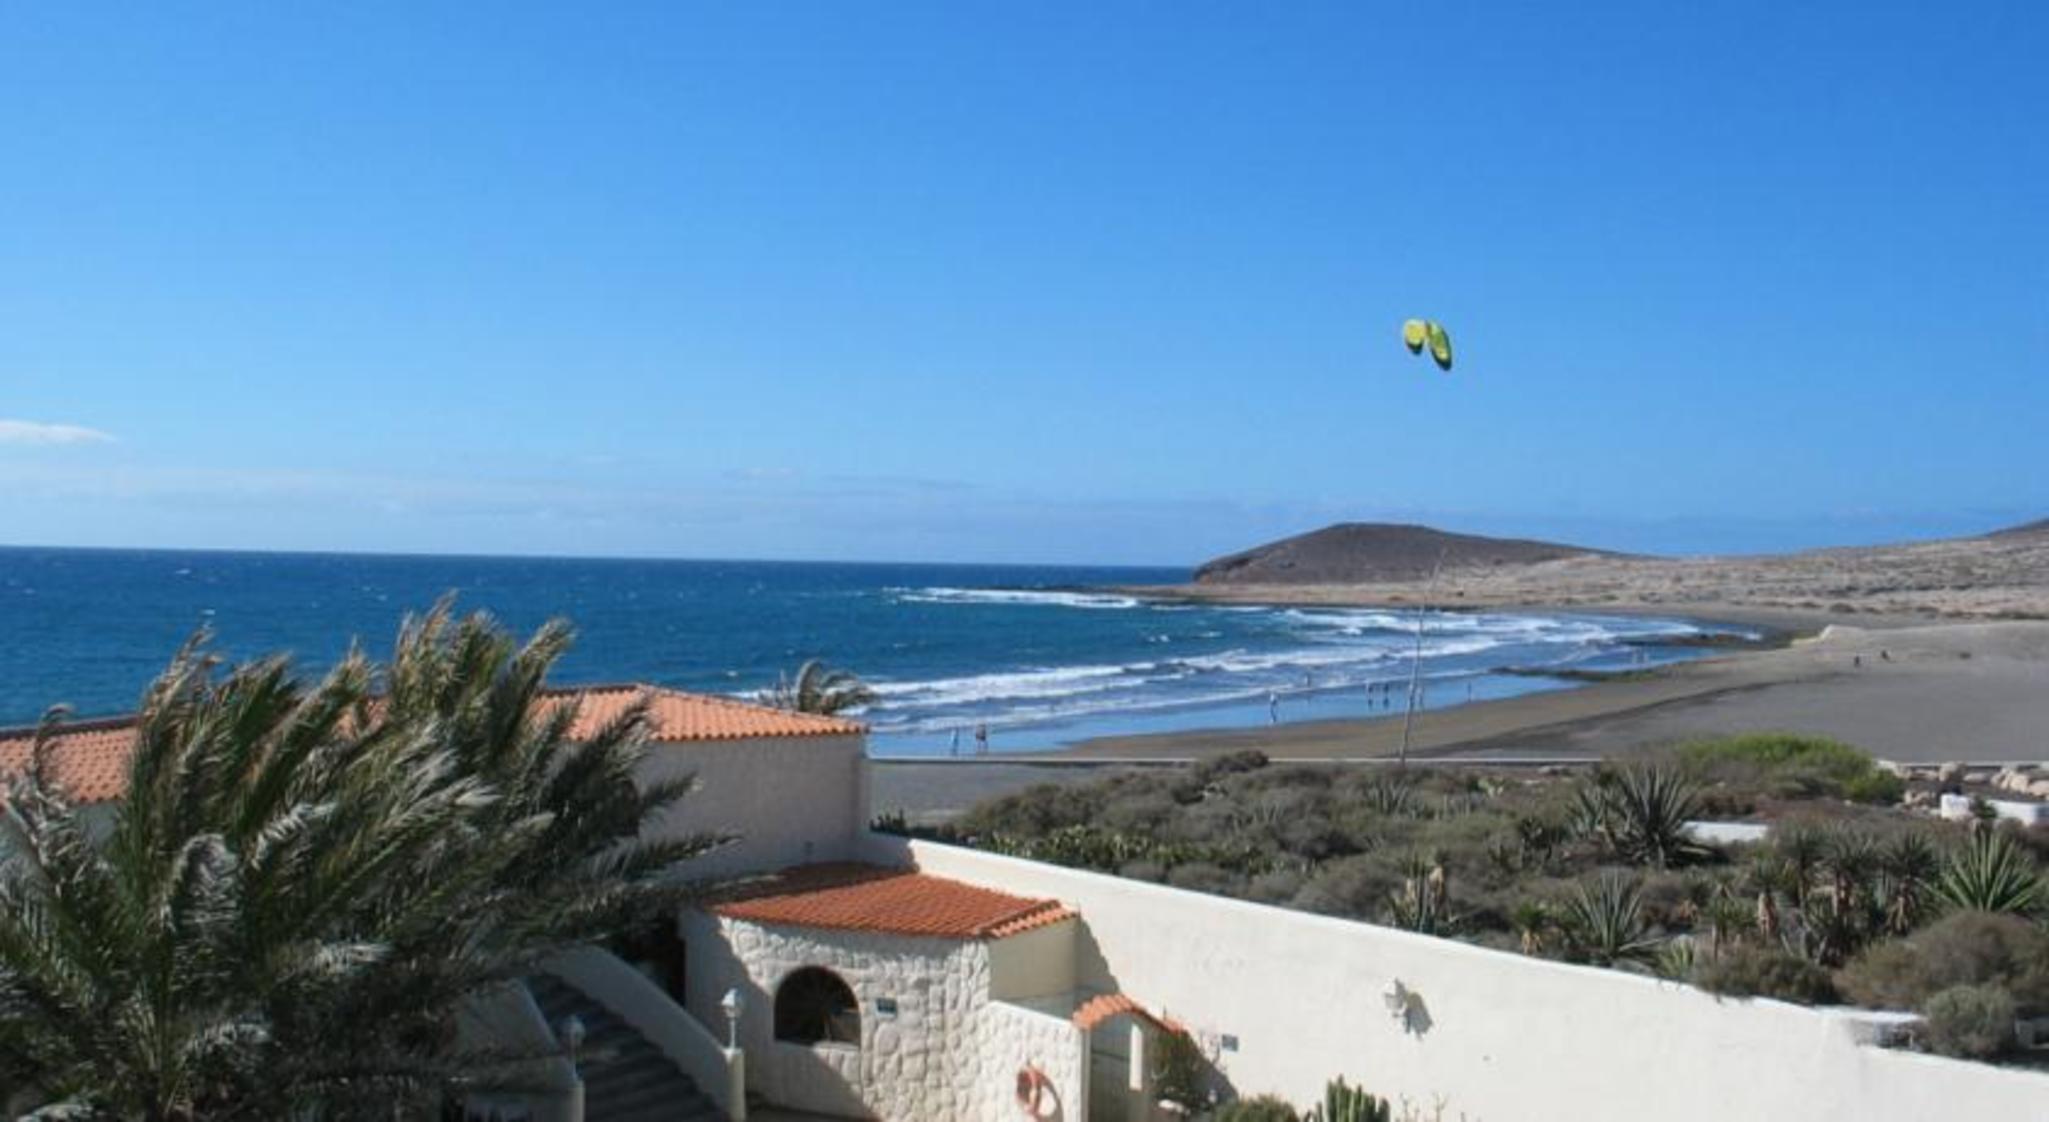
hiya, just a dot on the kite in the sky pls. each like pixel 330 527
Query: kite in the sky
pixel 1420 333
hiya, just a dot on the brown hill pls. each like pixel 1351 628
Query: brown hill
pixel 2025 529
pixel 1369 552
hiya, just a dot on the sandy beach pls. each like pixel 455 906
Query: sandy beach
pixel 1975 692
pixel 1929 692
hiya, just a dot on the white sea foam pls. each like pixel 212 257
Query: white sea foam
pixel 1093 600
pixel 1288 650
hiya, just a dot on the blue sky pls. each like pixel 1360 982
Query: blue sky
pixel 1095 282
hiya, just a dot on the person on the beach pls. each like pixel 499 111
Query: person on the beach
pixel 1273 707
pixel 953 749
pixel 982 739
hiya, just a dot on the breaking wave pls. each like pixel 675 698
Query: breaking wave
pixel 1232 654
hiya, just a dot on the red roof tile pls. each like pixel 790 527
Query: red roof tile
pixel 850 897
pixel 1101 1008
pixel 679 716
pixel 89 759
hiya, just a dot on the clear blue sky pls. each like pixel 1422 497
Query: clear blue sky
pixel 1086 282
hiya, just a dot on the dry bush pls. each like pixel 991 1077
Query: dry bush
pixel 1965 948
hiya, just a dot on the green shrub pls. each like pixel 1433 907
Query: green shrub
pixel 1265 1108
pixel 1970 1022
pixel 1343 1102
pixel 1230 763
pixel 1788 765
pixel 1962 949
pixel 1766 972
pixel 1181 1073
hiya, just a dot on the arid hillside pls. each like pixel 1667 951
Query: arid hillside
pixel 2001 575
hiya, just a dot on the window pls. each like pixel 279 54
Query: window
pixel 814 1007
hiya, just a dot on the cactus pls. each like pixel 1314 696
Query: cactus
pixel 1345 1103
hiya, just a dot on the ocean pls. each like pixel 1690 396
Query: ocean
pixel 1027 651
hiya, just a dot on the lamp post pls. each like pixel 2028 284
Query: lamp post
pixel 571 1033
pixel 732 1005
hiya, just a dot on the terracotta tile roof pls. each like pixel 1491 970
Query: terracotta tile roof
pixel 679 716
pixel 1101 1008
pixel 849 897
pixel 90 758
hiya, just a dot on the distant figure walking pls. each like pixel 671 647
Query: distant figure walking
pixel 1857 660
pixel 981 739
pixel 1273 708
pixel 953 749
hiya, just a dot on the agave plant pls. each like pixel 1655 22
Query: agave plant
pixel 1423 902
pixel 1991 873
pixel 1643 813
pixel 1907 867
pixel 305 882
pixel 1532 921
pixel 1604 922
pixel 818 688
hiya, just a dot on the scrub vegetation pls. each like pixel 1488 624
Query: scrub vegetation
pixel 1848 897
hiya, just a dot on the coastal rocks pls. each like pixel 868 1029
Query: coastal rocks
pixel 1950 773
pixel 2022 780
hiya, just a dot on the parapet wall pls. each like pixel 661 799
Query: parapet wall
pixel 1287 1000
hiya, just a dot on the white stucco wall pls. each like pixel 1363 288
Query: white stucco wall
pixel 1035 963
pixel 1509 1038
pixel 1009 1038
pixel 947 1055
pixel 791 800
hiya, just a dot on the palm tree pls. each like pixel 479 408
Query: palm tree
pixel 818 688
pixel 306 882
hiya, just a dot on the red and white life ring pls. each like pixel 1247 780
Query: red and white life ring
pixel 1035 1093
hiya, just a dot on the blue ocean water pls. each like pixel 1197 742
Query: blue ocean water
pixel 948 648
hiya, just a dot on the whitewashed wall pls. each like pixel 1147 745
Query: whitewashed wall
pixel 791 800
pixel 1009 1038
pixel 1509 1038
pixel 1035 963
pixel 947 1055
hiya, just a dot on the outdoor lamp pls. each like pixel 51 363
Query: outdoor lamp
pixel 732 1005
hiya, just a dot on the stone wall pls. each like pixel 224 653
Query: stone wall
pixel 945 1054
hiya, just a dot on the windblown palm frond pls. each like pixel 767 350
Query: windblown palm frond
pixel 818 688
pixel 306 881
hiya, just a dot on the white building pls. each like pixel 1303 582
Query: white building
pixel 834 971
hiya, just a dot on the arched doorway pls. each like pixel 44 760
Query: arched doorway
pixel 815 1006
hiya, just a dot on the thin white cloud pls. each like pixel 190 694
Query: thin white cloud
pixel 41 433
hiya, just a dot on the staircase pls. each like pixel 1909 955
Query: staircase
pixel 625 1079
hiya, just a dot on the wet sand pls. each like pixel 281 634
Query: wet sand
pixel 1916 692
pixel 1961 691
